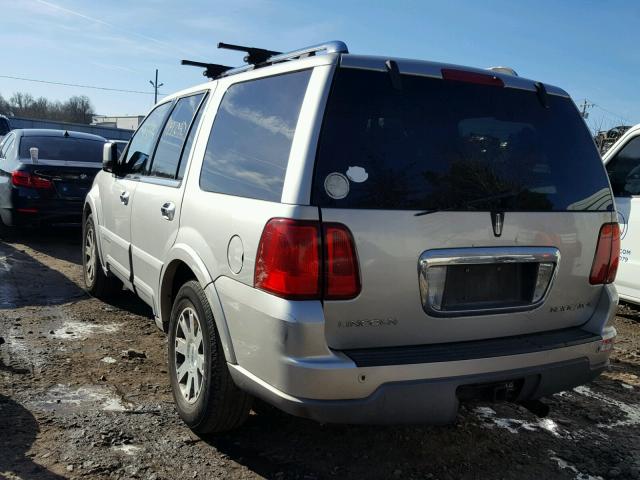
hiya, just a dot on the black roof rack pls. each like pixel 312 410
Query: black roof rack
pixel 254 55
pixel 212 70
pixel 260 57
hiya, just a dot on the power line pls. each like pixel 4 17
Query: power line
pixel 77 85
pixel 586 104
pixel 620 117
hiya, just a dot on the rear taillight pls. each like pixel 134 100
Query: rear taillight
pixel 341 276
pixel 288 259
pixel 605 262
pixel 299 259
pixel 25 179
pixel 471 77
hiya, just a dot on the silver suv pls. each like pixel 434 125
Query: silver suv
pixel 361 239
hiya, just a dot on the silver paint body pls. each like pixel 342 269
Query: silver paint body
pixel 292 349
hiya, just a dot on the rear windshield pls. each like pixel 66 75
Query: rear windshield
pixel 430 144
pixel 63 148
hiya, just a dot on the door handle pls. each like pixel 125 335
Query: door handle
pixel 168 210
pixel 124 198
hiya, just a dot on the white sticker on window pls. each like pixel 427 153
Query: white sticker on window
pixel 357 174
pixel 336 185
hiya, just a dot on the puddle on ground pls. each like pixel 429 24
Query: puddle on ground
pixel 76 330
pixel 564 465
pixel 514 425
pixel 631 411
pixel 127 449
pixel 65 398
pixel 16 351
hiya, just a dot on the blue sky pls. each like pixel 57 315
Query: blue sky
pixel 587 47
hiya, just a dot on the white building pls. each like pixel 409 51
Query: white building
pixel 129 122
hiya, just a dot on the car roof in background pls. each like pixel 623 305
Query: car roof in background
pixel 45 132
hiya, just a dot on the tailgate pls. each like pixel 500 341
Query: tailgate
pixel 475 207
pixel 390 309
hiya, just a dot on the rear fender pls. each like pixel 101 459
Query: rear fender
pixel 182 253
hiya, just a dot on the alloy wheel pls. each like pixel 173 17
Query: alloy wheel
pixel 89 256
pixel 189 355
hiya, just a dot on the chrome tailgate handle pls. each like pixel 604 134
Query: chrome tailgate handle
pixel 124 198
pixel 168 210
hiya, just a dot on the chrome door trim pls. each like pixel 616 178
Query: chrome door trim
pixel 483 256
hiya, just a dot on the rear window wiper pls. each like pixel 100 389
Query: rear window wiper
pixel 543 96
pixel 470 203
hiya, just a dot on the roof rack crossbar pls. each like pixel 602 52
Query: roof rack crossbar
pixel 254 55
pixel 335 46
pixel 211 70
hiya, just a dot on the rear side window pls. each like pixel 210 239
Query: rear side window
pixel 188 145
pixel 433 144
pixel 143 141
pixel 167 155
pixel 624 170
pixel 68 149
pixel 249 145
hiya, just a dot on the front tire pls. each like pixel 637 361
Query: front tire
pixel 5 230
pixel 97 282
pixel 206 397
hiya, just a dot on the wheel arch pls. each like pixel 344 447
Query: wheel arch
pixel 91 208
pixel 183 264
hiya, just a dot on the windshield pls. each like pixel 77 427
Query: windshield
pixel 63 148
pixel 431 144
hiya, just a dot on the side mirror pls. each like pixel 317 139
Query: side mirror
pixel 109 156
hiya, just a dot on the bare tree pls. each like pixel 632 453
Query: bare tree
pixel 77 109
pixel 5 108
pixel 21 101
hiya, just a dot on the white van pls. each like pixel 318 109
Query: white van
pixel 623 166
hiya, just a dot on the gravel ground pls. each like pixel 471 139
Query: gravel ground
pixel 84 393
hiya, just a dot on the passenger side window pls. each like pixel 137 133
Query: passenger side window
pixel 248 148
pixel 167 155
pixel 141 145
pixel 624 170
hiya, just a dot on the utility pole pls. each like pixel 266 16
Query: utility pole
pixel 584 106
pixel 155 87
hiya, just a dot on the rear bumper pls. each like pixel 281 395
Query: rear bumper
pixel 52 211
pixel 427 401
pixel 282 357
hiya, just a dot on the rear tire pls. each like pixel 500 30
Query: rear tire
pixel 97 282
pixel 206 397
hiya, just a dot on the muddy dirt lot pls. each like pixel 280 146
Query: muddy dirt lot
pixel 84 394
